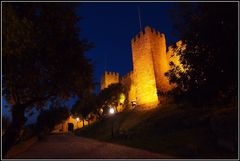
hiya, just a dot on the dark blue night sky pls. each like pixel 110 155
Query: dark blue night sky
pixel 111 26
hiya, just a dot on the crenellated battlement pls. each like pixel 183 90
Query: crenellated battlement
pixel 109 78
pixel 111 73
pixel 147 32
pixel 150 63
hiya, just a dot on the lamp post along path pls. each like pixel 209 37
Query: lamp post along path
pixel 111 111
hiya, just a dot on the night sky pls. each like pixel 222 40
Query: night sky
pixel 111 26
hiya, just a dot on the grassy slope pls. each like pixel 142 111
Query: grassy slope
pixel 173 130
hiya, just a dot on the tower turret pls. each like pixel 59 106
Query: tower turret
pixel 143 67
pixel 109 78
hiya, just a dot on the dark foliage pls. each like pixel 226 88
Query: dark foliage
pixel 5 122
pixel 85 106
pixel 110 96
pixel 48 119
pixel 210 32
pixel 43 59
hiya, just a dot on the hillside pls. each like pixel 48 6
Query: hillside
pixel 177 130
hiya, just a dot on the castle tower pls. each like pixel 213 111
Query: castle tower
pixel 160 60
pixel 143 67
pixel 109 78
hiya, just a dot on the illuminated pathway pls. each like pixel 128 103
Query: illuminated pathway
pixel 67 146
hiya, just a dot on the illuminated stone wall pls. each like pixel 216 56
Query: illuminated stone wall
pixel 63 127
pixel 128 82
pixel 160 61
pixel 150 63
pixel 109 78
pixel 143 67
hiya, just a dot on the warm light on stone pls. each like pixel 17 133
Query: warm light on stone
pixel 128 82
pixel 143 67
pixel 76 122
pixel 109 78
pixel 150 63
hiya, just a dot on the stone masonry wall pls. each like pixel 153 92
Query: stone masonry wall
pixel 109 78
pixel 161 63
pixel 128 82
pixel 150 63
pixel 143 67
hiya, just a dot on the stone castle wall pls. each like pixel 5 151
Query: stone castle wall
pixel 150 63
pixel 143 67
pixel 128 82
pixel 109 78
pixel 161 64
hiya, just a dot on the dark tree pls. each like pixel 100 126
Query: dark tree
pixel 111 95
pixel 5 122
pixel 210 32
pixel 85 106
pixel 43 59
pixel 48 119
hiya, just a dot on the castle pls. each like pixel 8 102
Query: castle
pixel 150 62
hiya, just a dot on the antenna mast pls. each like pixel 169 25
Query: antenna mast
pixel 139 17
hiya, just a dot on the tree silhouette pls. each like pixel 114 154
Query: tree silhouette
pixel 43 59
pixel 48 119
pixel 5 122
pixel 85 106
pixel 210 59
pixel 110 96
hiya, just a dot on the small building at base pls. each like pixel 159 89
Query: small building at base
pixel 70 125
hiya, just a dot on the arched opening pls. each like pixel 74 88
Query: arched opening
pixel 70 127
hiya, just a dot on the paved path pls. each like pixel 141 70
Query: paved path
pixel 69 146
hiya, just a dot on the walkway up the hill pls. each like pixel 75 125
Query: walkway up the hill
pixel 69 146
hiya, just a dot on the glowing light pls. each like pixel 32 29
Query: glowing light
pixel 122 98
pixel 111 110
pixel 77 119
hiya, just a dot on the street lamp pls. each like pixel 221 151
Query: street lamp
pixel 111 111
